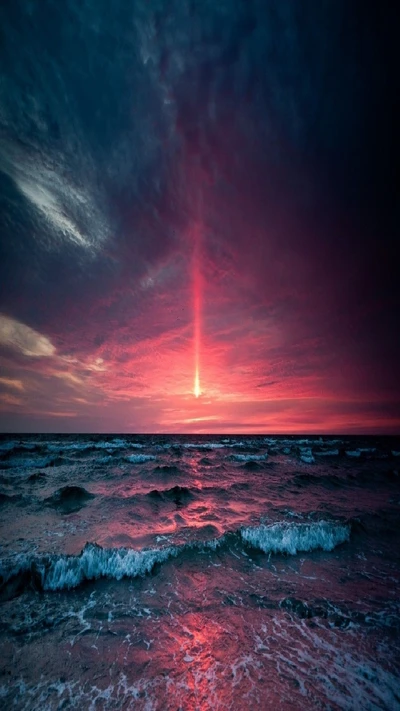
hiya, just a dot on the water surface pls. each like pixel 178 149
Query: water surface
pixel 151 572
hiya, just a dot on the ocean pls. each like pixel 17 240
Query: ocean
pixel 189 573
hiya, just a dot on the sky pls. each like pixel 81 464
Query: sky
pixel 198 216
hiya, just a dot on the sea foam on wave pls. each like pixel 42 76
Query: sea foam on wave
pixel 97 562
pixel 250 457
pixel 294 537
pixel 139 458
pixel 203 445
pixel 64 572
pixel 60 572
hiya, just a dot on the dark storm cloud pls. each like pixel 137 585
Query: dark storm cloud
pixel 80 151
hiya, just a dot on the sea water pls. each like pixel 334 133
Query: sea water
pixel 196 573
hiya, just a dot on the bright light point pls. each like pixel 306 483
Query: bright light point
pixel 197 390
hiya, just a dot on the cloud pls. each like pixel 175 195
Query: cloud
pixel 70 212
pixel 12 383
pixel 24 339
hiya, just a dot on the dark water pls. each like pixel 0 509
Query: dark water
pixel 200 573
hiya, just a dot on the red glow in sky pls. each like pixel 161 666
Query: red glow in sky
pixel 197 287
pixel 207 242
pixel 206 320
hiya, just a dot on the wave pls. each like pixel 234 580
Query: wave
pixel 19 448
pixel 166 469
pixel 307 458
pixel 292 538
pixel 179 495
pixel 38 463
pixel 365 452
pixel 106 459
pixel 37 476
pixel 90 445
pixel 6 446
pixel 69 498
pixel 139 458
pixel 206 462
pixel 9 499
pixel 306 455
pixel 329 481
pixel 208 446
pixel 65 572
pixel 223 444
pixel 253 466
pixel 250 457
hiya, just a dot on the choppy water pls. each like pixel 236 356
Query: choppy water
pixel 196 573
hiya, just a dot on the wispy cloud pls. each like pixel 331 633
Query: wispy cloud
pixel 24 339
pixel 70 212
pixel 12 383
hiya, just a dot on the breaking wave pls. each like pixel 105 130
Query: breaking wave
pixel 250 457
pixel 65 572
pixel 139 458
pixel 208 446
pixel 292 538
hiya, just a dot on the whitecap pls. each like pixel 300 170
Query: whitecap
pixel 294 537
pixel 139 458
pixel 353 452
pixel 250 457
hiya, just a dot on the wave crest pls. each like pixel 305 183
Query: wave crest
pixel 292 538
pixel 65 572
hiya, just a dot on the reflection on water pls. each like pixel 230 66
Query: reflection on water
pixel 209 581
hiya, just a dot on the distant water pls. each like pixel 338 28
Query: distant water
pixel 194 573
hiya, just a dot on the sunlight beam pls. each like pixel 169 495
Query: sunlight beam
pixel 197 307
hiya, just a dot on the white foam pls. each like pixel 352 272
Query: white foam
pixel 82 446
pixel 353 452
pixel 139 458
pixel 114 444
pixel 206 445
pixel 294 537
pixel 306 455
pixel 66 572
pixel 250 457
pixel 307 458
